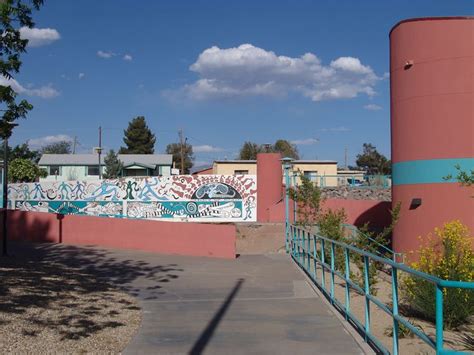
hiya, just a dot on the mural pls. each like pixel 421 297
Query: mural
pixel 212 198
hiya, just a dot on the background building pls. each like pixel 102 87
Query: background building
pixel 86 166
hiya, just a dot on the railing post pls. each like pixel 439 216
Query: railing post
pixel 315 255
pixel 332 271
pixel 348 275
pixel 302 239
pixel 294 201
pixel 395 310
pixel 367 293
pixel 323 262
pixel 439 319
pixel 308 252
pixel 287 166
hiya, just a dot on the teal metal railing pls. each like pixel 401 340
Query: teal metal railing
pixel 353 181
pixel 382 251
pixel 309 251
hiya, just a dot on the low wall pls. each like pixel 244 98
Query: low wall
pixel 194 239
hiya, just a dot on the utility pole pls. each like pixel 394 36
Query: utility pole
pixel 181 148
pixel 345 158
pixel 99 151
pixel 74 145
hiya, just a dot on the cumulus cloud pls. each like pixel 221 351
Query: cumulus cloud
pixel 127 57
pixel 81 76
pixel 307 141
pixel 45 92
pixel 105 54
pixel 252 71
pixel 206 149
pixel 38 37
pixel 42 141
pixel 372 107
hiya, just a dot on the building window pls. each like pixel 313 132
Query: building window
pixel 93 170
pixel 241 172
pixel 54 170
pixel 311 175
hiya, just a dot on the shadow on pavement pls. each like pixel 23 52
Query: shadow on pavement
pixel 39 278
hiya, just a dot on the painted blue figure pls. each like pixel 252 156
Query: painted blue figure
pixel 26 192
pixel 78 190
pixel 105 189
pixel 148 190
pixel 38 189
pixel 64 189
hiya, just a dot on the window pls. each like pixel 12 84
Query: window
pixel 311 175
pixel 54 170
pixel 241 172
pixel 93 170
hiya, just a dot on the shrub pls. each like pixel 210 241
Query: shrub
pixel 308 198
pixel 330 224
pixel 449 257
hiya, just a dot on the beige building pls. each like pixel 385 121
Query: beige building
pixel 321 172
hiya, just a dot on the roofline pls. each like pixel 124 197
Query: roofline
pixel 303 161
pixel 434 18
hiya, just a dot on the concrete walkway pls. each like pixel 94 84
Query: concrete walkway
pixel 256 304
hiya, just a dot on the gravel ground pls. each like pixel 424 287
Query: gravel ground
pixel 49 307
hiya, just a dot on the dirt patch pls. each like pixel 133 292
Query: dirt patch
pixel 260 238
pixel 46 307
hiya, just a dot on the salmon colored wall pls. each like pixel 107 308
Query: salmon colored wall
pixel 431 102
pixel 360 212
pixel 431 122
pixel 195 239
pixel 269 178
pixel 441 203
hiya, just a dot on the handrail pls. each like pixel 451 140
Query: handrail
pixel 394 254
pixel 303 247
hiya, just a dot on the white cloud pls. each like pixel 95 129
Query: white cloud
pixel 81 76
pixel 127 57
pixel 42 141
pixel 252 71
pixel 105 54
pixel 372 107
pixel 335 129
pixel 38 37
pixel 307 141
pixel 206 149
pixel 45 92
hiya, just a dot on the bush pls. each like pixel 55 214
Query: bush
pixel 449 257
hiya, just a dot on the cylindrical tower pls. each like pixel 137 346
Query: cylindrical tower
pixel 432 124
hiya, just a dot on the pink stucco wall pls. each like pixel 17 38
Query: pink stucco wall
pixel 195 239
pixel 269 191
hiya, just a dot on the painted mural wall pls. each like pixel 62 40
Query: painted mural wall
pixel 200 198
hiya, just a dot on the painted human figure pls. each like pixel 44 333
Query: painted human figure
pixel 78 190
pixel 147 190
pixel 38 190
pixel 104 190
pixel 131 186
pixel 64 189
pixel 26 192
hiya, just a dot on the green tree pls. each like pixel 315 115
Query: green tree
pixel 175 150
pixel 23 151
pixel 13 15
pixel 286 149
pixel 113 165
pixel 62 147
pixel 249 151
pixel 373 162
pixel 24 170
pixel 138 138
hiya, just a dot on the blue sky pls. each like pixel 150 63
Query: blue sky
pixel 312 72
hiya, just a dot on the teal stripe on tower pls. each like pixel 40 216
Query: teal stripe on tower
pixel 429 171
